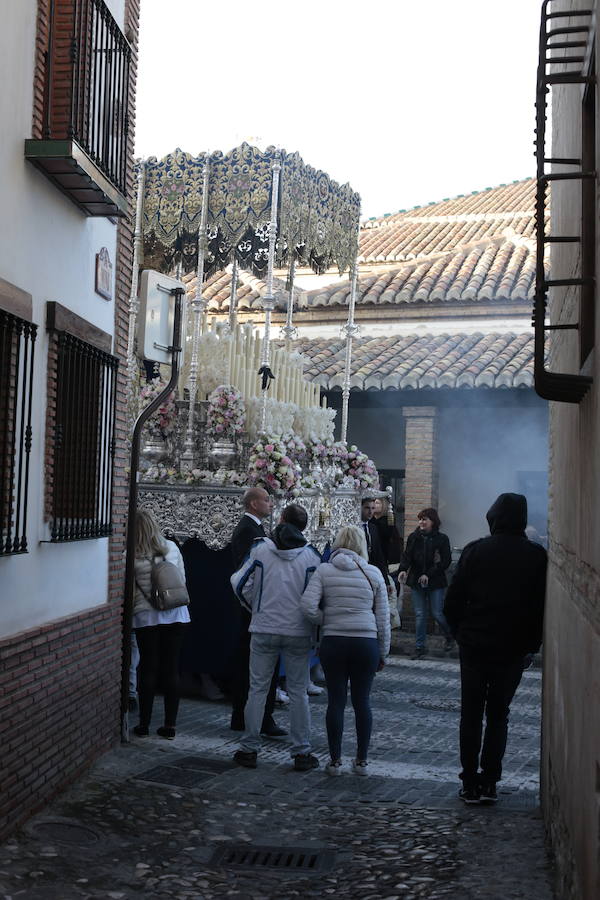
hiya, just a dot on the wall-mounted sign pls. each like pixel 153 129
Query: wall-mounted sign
pixel 104 274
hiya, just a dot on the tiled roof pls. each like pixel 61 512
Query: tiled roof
pixel 250 289
pixel 502 269
pixel 424 361
pixel 442 227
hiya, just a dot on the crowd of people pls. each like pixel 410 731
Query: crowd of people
pixel 293 600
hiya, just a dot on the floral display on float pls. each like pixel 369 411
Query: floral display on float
pixel 270 465
pixel 360 469
pixel 226 413
pixel 162 422
pixel 315 424
pixel 279 417
pixel 296 448
pixel 163 474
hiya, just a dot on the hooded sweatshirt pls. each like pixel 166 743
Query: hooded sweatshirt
pixel 271 580
pixel 348 597
pixel 495 603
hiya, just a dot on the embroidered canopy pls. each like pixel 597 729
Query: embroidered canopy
pixel 317 219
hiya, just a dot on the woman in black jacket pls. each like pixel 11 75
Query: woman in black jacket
pixel 423 568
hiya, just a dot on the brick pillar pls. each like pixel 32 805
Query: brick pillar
pixel 421 480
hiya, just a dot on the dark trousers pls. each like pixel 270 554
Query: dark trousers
pixel 159 646
pixel 486 687
pixel 240 684
pixel 355 659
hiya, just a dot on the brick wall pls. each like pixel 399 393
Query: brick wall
pixel 59 701
pixel 421 480
pixel 60 684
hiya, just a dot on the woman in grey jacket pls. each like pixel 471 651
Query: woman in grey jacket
pixel 348 598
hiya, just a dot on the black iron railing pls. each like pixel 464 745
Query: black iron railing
pixel 89 103
pixel 17 344
pixel 82 470
pixel 562 60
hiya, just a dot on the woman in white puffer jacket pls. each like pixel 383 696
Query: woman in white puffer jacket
pixel 347 597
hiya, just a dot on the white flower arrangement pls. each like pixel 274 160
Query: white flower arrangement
pixel 270 465
pixel 279 417
pixel 315 423
pixel 226 413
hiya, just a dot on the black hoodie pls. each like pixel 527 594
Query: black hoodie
pixel 495 603
pixel 287 537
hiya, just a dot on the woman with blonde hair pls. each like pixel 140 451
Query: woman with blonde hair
pixel 348 598
pixel 159 633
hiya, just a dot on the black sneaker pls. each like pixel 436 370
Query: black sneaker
pixel 246 758
pixel 419 653
pixel 448 645
pixel 305 761
pixel 487 792
pixel 469 795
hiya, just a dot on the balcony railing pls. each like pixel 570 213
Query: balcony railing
pixel 85 121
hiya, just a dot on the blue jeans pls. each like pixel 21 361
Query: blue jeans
pixel 354 658
pixel 264 651
pixel 435 596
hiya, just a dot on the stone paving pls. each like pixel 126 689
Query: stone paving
pixel 152 814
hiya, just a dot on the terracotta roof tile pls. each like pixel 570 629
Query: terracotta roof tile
pixel 444 226
pixel 424 361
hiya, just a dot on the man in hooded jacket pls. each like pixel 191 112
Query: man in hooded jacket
pixel 269 584
pixel 494 607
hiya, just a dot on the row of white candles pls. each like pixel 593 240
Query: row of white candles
pixel 288 386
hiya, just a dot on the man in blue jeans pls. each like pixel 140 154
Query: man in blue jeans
pixel 269 584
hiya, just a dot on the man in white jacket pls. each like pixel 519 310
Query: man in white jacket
pixel 269 584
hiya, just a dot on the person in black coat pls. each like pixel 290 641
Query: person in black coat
pixel 423 566
pixel 495 608
pixel 257 505
pixel 371 532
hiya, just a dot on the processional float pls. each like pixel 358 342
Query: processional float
pixel 243 412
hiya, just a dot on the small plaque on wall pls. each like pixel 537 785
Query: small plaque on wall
pixel 104 274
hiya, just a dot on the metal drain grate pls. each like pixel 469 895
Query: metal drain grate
pixel 438 705
pixel 205 764
pixel 174 776
pixel 303 860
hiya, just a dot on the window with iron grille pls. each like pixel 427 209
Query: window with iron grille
pixel 84 381
pixel 17 342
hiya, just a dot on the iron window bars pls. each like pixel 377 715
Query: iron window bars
pixel 87 83
pixel 83 451
pixel 573 40
pixel 17 344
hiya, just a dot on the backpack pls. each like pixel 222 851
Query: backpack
pixel 168 589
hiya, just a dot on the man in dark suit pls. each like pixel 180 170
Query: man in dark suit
pixel 376 554
pixel 257 506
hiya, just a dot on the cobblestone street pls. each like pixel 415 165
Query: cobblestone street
pixel 151 815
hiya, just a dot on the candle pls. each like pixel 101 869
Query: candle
pixel 230 361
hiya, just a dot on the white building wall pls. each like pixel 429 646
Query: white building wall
pixel 47 248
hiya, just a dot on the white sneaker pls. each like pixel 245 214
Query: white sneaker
pixel 313 690
pixel 334 767
pixel 359 767
pixel 281 697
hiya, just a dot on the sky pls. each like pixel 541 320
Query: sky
pixel 409 101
